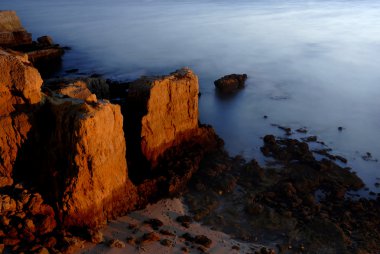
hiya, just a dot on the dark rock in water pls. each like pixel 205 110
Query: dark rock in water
pixel 302 130
pixel 340 128
pixel 45 40
pixel 284 203
pixel 310 139
pixel 230 83
pixel 72 71
pixel 288 131
pixel 368 157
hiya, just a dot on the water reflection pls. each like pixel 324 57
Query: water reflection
pixel 310 63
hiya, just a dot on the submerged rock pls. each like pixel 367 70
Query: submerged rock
pixel 231 82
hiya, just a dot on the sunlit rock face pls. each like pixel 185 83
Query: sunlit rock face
pixel 169 109
pixel 87 161
pixel 11 31
pixel 19 90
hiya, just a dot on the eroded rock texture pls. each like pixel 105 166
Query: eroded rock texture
pixel 84 86
pixel 168 108
pixel 19 91
pixel 87 167
pixel 11 31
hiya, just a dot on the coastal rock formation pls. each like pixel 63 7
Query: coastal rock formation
pixel 11 31
pixel 231 82
pixel 20 83
pixel 43 54
pixel 84 86
pixel 168 108
pixel 76 90
pixel 19 91
pixel 68 149
pixel 87 168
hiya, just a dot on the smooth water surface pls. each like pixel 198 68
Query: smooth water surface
pixel 310 63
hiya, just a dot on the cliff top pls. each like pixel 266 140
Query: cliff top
pixel 9 22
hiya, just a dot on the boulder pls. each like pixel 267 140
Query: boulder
pixel 167 108
pixel 20 83
pixel 76 90
pixel 45 40
pixel 95 85
pixel 11 31
pixel 19 92
pixel 231 82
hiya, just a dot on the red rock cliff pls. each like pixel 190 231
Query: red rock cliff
pixel 11 31
pixel 19 90
pixel 90 139
pixel 170 106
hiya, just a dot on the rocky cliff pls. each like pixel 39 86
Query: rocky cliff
pixel 68 149
pixel 43 53
pixel 11 31
pixel 19 91
pixel 165 112
pixel 87 161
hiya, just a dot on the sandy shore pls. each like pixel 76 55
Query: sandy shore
pixel 166 211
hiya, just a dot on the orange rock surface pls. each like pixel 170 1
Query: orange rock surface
pixel 19 89
pixel 90 139
pixel 11 31
pixel 19 82
pixel 171 110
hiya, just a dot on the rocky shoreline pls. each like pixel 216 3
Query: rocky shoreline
pixel 76 153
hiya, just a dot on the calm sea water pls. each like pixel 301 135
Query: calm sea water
pixel 310 63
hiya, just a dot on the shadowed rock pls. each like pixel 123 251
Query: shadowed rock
pixel 169 107
pixel 230 83
pixel 19 91
pixel 87 168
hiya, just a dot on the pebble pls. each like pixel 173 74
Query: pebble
pixel 115 243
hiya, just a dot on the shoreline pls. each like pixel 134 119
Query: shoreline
pixel 148 169
pixel 166 211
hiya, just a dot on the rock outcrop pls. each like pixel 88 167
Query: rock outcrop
pixel 43 54
pixel 230 83
pixel 69 149
pixel 84 86
pixel 87 166
pixel 11 31
pixel 168 107
pixel 19 91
